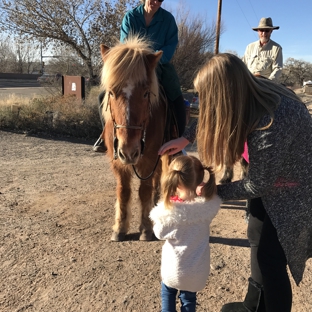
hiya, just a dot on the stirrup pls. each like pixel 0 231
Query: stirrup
pixel 98 142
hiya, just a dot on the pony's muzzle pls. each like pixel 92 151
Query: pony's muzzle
pixel 129 157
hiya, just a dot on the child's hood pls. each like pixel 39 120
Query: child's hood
pixel 187 212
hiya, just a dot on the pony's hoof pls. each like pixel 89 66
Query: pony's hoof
pixel 118 237
pixel 147 236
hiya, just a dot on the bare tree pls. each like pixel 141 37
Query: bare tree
pixel 82 25
pixel 7 56
pixel 196 44
pixel 18 56
pixel 66 64
pixel 79 24
pixel 27 56
pixel 296 71
pixel 232 52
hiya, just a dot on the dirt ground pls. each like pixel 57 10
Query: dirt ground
pixel 56 213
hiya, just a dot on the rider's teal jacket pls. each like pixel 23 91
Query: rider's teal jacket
pixel 162 31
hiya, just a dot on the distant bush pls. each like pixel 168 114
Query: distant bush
pixel 54 115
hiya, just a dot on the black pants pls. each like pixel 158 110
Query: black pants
pixel 100 100
pixel 271 260
pixel 178 108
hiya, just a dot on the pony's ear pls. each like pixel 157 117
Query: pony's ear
pixel 154 58
pixel 104 50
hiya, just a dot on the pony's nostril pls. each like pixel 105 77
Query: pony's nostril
pixel 121 155
pixel 136 154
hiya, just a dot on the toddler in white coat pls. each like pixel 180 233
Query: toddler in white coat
pixel 183 220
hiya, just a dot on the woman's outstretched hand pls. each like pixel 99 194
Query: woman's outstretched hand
pixel 173 146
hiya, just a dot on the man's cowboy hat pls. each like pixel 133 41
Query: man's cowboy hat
pixel 266 23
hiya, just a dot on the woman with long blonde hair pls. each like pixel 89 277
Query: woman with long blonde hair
pixel 182 219
pixel 236 107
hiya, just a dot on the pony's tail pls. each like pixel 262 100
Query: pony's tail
pixel 210 188
pixel 166 187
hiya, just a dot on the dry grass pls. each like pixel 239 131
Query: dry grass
pixel 52 114
pixel 13 99
pixel 57 115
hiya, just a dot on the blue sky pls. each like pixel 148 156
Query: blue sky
pixel 239 16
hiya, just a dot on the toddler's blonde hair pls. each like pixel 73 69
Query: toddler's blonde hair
pixel 186 171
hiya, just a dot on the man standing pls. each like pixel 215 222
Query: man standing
pixel 264 57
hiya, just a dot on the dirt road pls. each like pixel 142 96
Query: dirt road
pixel 56 212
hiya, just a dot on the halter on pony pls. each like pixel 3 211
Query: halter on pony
pixel 117 126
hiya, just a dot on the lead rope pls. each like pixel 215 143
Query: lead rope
pixel 153 171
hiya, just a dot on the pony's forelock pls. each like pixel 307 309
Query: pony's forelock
pixel 127 62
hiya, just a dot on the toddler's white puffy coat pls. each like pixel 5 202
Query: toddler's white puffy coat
pixel 185 263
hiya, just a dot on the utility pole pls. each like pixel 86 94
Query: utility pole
pixel 42 64
pixel 218 27
pixel 43 56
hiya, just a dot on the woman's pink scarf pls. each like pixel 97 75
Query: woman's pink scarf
pixel 245 154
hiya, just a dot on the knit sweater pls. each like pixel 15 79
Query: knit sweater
pixel 280 159
pixel 185 263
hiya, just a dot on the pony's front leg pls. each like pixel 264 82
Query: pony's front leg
pixel 147 193
pixel 122 208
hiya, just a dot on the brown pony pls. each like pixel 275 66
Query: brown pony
pixel 135 122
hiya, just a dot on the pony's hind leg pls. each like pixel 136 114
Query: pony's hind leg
pixel 122 208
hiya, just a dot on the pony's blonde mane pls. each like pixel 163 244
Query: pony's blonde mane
pixel 127 62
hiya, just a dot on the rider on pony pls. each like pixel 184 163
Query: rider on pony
pixel 159 26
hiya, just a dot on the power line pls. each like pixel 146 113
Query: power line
pixel 244 13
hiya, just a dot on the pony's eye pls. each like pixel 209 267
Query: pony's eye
pixel 146 94
pixel 111 94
